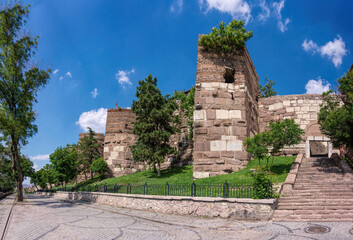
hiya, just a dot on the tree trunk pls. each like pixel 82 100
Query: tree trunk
pixel 91 174
pixel 159 169
pixel 85 175
pixel 17 169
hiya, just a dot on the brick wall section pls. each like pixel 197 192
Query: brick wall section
pixel 117 142
pixel 302 108
pixel 119 138
pixel 225 113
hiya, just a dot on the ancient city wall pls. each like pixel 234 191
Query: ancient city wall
pixel 117 142
pixel 302 108
pixel 119 138
pixel 226 112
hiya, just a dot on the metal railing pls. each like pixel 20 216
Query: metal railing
pixel 225 190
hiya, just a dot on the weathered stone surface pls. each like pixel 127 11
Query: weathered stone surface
pixel 318 148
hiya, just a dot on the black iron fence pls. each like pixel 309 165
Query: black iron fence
pixel 225 190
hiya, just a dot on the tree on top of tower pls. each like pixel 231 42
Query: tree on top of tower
pixel 226 39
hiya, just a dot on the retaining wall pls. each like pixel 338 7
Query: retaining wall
pixel 240 209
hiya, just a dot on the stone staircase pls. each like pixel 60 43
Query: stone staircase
pixel 321 192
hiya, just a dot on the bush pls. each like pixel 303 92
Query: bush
pixel 263 185
pixel 226 39
pixel 99 166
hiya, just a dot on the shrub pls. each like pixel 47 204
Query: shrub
pixel 226 39
pixel 99 166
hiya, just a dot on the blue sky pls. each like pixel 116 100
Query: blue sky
pixel 98 50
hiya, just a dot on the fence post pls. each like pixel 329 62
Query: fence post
pixel 128 188
pixel 96 188
pixel 166 189
pixel 145 189
pixel 193 189
pixel 115 188
pixel 226 190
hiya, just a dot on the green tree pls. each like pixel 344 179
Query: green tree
pixel 226 39
pixel 267 89
pixel 88 151
pixel 49 175
pixel 336 113
pixel 6 179
pixel 19 84
pixel 154 124
pixel 187 106
pixel 65 163
pixel 269 143
pixel 99 166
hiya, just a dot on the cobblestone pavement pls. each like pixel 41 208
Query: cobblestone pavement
pixel 5 207
pixel 41 217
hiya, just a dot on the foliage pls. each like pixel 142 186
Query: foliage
pixel 266 144
pixel 154 124
pixel 64 162
pixel 267 89
pixel 88 151
pixel 19 84
pixel 336 113
pixel 187 106
pixel 226 39
pixel 264 187
pixel 6 179
pixel 99 166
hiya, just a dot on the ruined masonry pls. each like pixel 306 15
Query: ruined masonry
pixel 227 111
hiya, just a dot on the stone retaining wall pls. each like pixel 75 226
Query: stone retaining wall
pixel 240 209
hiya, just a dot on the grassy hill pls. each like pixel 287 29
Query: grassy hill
pixel 183 175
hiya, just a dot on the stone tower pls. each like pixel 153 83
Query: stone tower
pixel 226 112
pixel 117 142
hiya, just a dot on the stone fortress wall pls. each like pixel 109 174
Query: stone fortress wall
pixel 227 111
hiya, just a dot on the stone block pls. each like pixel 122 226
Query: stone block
pixel 236 145
pixel 229 138
pixel 286 103
pixel 212 154
pixel 201 130
pixel 218 145
pixel 222 114
pixel 211 114
pixel 205 146
pixel 198 175
pixel 199 115
pixel 234 114
pixel 290 109
pixel 227 154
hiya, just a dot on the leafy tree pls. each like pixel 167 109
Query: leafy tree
pixel 88 151
pixel 64 161
pixel 19 84
pixel 226 39
pixel 267 89
pixel 6 179
pixel 27 166
pixel 336 113
pixel 99 166
pixel 269 143
pixel 154 124
pixel 187 106
pixel 49 175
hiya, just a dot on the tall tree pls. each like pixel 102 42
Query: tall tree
pixel 19 84
pixel 88 151
pixel 64 161
pixel 154 124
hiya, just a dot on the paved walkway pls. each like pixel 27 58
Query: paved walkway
pixel 43 217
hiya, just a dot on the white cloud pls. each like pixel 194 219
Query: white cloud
pixel 282 23
pixel 310 46
pixel 56 71
pixel 95 93
pixel 69 74
pixel 177 6
pixel 123 77
pixel 335 50
pixel 239 9
pixel 95 119
pixel 317 86
pixel 61 78
pixel 40 157
pixel 265 11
